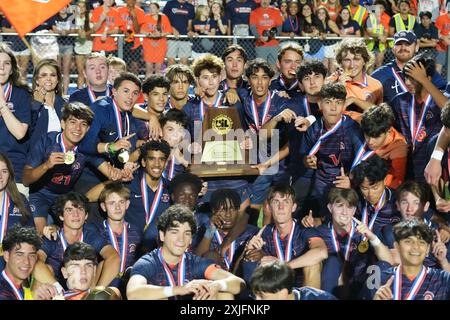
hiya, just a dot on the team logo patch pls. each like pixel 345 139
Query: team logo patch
pixel 369 97
pixel 429 115
pixel 428 295
pixel 76 166
pixel 15 210
pixel 32 208
pixel 265 16
pixel 341 146
pixel 422 134
pixel 165 197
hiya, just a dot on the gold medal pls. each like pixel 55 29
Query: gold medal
pixel 123 156
pixel 363 246
pixel 1 250
pixel 69 157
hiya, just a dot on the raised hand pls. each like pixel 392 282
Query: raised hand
pixel 385 292
pixel 308 221
pixel 342 181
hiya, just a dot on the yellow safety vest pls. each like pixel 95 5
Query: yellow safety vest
pixel 400 25
pixel 378 28
pixel 359 14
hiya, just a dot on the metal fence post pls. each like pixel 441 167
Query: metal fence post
pixel 120 47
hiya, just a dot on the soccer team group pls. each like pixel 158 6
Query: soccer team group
pixel 96 195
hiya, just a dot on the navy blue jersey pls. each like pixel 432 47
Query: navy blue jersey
pixel 136 214
pixel 387 215
pixel 179 14
pixel 104 128
pixel 357 262
pixel 172 169
pixel 88 96
pixel 242 84
pixel 61 178
pixel 431 125
pixel 310 293
pixel 54 249
pixel 280 85
pixel 239 12
pixel 238 245
pixel 39 118
pixel 169 105
pixel 16 150
pixel 133 240
pixel 336 151
pixel 6 292
pixel 393 80
pixel 152 269
pixel 436 285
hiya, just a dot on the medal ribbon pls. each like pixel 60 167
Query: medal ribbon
pixel 399 80
pixel 62 143
pixel 122 250
pixel 150 212
pixel 181 270
pixel 335 241
pixel 266 109
pixel 17 293
pixel 4 212
pixel 292 86
pixel 92 96
pixel 171 167
pixel 415 127
pixel 361 155
pixel 363 84
pixel 306 106
pixel 8 91
pixel 287 255
pixel 215 105
pixel 118 117
pixel 63 239
pixel 316 147
pixel 365 214
pixel 229 255
pixel 418 281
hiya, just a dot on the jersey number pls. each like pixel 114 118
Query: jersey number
pixel 61 179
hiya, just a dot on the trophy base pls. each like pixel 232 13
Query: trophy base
pixel 223 170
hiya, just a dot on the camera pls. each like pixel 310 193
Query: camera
pixel 271 33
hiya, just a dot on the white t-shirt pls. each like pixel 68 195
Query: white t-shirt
pixel 54 123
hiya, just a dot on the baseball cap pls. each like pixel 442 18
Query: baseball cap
pixel 404 35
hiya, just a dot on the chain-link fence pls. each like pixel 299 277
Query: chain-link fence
pixel 51 45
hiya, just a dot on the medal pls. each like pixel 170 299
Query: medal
pixel 69 157
pixel 1 250
pixel 363 246
pixel 123 156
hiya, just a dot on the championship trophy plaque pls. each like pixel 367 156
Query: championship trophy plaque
pixel 221 140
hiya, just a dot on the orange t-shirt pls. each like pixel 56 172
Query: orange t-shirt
pixel 385 18
pixel 155 48
pixel 395 149
pixel 443 25
pixel 112 21
pixel 371 90
pixel 126 22
pixel 265 19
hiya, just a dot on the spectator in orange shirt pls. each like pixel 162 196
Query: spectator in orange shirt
pixel 106 21
pixel 443 25
pixel 265 24
pixel 131 18
pixel 156 26
pixel 354 59
pixel 390 145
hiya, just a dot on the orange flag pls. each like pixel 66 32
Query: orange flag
pixel 25 15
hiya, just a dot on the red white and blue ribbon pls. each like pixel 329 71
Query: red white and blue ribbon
pixel 415 287
pixel 17 292
pixel 4 212
pixel 118 117
pixel 266 109
pixel 123 249
pixel 361 155
pixel 229 255
pixel 365 214
pixel 216 104
pixel 62 238
pixel 171 167
pixel 170 105
pixel 399 80
pixel 8 91
pixel 92 96
pixel 287 255
pixel 335 242
pixel 68 295
pixel 316 147
pixel 364 83
pixel 306 106
pixel 413 124
pixel 292 86
pixel 150 212
pixel 181 270
pixel 63 144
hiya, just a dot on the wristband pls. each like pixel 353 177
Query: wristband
pixel 376 242
pixel 106 147
pixel 223 285
pixel 438 155
pixel 168 291
pixel 59 288
pixel 311 119
pixel 111 148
